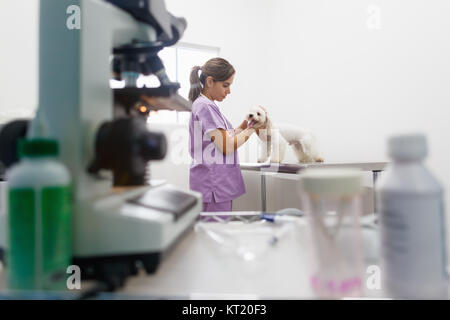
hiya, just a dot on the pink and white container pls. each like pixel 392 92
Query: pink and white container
pixel 332 202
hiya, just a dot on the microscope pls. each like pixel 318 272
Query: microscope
pixel 121 220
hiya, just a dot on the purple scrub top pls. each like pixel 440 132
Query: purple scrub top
pixel 216 176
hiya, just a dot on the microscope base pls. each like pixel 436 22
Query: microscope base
pixel 117 235
pixel 121 266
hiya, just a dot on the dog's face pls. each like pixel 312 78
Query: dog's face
pixel 257 118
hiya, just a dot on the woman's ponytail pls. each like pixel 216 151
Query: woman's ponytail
pixel 196 86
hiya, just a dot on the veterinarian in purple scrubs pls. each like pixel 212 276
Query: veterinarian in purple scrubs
pixel 215 170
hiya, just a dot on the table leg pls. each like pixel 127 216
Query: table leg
pixel 375 177
pixel 263 193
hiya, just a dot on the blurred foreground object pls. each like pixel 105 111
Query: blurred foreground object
pixel 410 201
pixel 333 207
pixel 39 218
pixel 103 135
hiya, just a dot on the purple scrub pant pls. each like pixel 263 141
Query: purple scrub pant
pixel 217 206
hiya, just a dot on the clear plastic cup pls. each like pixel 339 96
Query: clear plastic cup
pixel 332 202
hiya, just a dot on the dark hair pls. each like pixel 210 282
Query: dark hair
pixel 219 69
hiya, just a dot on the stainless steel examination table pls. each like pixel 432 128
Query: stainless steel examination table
pixel 291 168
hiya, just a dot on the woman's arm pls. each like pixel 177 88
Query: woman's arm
pixel 227 143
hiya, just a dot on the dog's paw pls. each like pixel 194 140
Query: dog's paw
pixel 319 159
pixel 261 160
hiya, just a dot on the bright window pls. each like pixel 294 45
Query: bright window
pixel 179 61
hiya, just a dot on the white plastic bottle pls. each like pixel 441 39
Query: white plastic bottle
pixel 412 224
pixel 39 221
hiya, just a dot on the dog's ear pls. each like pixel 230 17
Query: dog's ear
pixel 264 109
pixel 268 124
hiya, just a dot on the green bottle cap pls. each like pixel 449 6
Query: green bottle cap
pixel 35 148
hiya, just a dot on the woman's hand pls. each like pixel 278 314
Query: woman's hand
pixel 244 125
pixel 241 127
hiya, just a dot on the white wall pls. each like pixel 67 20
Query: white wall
pixel 355 86
pixel 18 59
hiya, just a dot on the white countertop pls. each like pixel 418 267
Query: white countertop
pixel 198 269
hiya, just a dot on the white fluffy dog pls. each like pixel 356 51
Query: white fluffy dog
pixel 274 137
